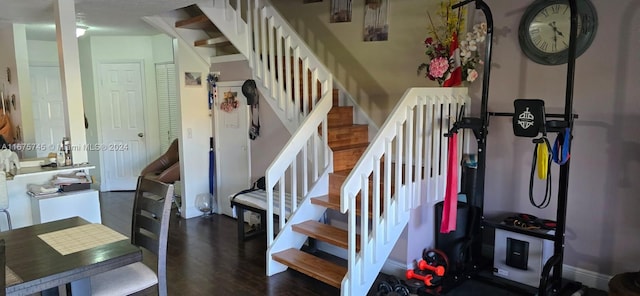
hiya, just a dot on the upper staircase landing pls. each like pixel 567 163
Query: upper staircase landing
pixel 209 37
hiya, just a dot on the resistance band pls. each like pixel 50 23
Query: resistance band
pixel 560 150
pixel 450 209
pixel 542 161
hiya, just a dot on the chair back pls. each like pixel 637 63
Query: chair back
pixel 150 224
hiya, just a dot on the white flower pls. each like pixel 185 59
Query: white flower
pixel 473 46
pixel 469 36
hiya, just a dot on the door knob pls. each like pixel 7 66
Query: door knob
pixel 140 135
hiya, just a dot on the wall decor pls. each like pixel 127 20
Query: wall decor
pixel 376 23
pixel 192 78
pixel 230 102
pixel 340 11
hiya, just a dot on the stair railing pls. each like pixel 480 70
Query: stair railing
pixel 291 78
pixel 408 147
pixel 299 89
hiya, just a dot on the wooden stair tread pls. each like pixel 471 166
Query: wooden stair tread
pixel 338 109
pixel 212 42
pixel 199 22
pixel 349 147
pixel 326 233
pixel 315 267
pixel 342 173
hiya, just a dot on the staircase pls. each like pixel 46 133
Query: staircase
pixel 347 141
pixel 328 160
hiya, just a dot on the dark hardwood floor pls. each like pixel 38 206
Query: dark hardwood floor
pixel 205 257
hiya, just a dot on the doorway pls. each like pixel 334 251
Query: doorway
pixel 47 107
pixel 122 147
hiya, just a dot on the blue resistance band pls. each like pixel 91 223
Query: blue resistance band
pixel 560 149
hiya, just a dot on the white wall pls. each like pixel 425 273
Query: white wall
pixel 195 129
pixel 43 53
pixel 162 46
pixel 90 110
pixel 376 74
pixel 21 113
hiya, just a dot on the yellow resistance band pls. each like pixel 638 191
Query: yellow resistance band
pixel 543 160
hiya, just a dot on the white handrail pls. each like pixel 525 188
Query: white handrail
pixel 386 171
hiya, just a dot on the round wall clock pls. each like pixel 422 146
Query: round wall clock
pixel 544 30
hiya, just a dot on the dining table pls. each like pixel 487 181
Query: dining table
pixel 66 252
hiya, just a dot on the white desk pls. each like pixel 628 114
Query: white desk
pixel 26 210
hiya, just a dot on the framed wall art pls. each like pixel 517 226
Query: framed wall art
pixel 376 25
pixel 340 11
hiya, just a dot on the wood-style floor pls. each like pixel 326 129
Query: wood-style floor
pixel 205 258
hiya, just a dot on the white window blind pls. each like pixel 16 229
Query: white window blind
pixel 168 115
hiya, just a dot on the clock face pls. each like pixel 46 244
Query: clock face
pixel 545 28
pixel 549 30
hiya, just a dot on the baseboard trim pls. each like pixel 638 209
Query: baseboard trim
pixel 588 278
pixel 395 268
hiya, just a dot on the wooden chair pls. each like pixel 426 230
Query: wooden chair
pixel 149 230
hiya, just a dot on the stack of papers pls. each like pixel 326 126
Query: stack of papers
pixel 59 183
pixel 79 177
pixel 42 190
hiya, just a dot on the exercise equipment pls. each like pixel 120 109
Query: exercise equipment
pixel 426 278
pixel 393 286
pixel 465 251
pixel 438 270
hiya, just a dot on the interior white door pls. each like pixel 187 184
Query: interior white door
pixel 231 132
pixel 122 125
pixel 48 108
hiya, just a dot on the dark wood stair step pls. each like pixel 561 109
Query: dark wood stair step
pixel 315 267
pixel 340 116
pixel 199 22
pixel 344 158
pixel 326 233
pixel 336 97
pixel 348 135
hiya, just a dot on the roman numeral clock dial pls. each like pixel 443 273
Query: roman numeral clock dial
pixel 545 27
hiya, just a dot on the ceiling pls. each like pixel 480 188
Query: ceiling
pixel 102 17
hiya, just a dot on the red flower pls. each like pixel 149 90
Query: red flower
pixel 429 40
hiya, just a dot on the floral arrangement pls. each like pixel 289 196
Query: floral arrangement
pixel 230 102
pixel 443 37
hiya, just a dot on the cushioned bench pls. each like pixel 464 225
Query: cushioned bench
pixel 256 201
